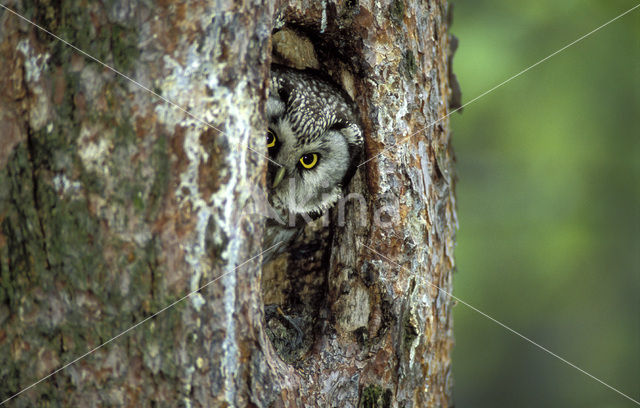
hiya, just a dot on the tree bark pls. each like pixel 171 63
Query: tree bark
pixel 116 203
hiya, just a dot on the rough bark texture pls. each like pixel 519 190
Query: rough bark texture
pixel 115 203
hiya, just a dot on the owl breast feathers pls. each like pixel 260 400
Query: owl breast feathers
pixel 315 138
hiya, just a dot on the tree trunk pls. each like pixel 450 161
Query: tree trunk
pixel 116 203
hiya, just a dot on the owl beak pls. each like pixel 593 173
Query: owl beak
pixel 279 176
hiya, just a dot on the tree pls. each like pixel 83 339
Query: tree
pixel 116 203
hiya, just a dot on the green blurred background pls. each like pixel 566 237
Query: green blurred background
pixel 548 198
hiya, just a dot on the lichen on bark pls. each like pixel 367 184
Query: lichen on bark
pixel 110 193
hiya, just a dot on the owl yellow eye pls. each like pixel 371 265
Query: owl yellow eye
pixel 309 160
pixel 271 138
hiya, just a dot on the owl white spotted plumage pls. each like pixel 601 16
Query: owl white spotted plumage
pixel 315 136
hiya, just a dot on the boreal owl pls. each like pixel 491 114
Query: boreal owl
pixel 314 143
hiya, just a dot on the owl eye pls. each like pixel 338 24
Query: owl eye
pixel 309 160
pixel 271 138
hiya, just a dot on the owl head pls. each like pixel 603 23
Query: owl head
pixel 314 135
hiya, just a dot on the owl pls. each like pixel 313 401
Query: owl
pixel 314 141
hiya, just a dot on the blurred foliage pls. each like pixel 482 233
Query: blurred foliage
pixel 549 203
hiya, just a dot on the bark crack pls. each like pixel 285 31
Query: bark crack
pixel 36 199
